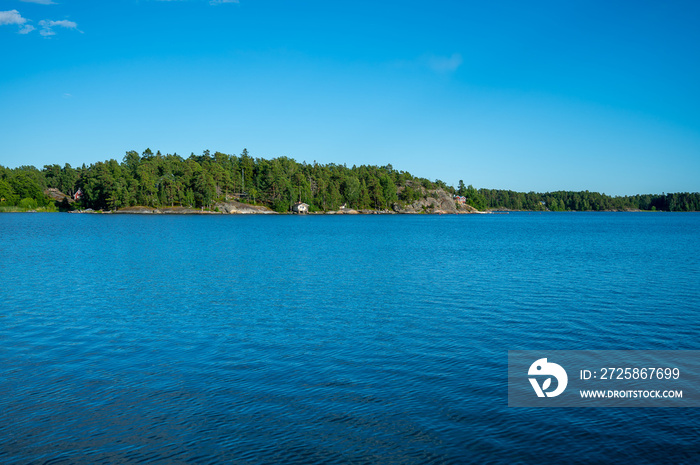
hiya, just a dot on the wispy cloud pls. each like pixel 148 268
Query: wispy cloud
pixel 11 17
pixel 436 63
pixel 443 64
pixel 48 25
pixel 40 2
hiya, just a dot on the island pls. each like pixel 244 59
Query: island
pixel 219 183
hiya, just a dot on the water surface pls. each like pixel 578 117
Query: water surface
pixel 321 339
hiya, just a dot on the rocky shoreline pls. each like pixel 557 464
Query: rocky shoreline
pixel 139 210
pixel 223 208
pixel 437 202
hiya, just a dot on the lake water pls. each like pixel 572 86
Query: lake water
pixel 328 339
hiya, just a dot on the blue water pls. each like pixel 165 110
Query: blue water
pixel 324 339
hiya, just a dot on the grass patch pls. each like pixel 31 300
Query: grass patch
pixel 15 209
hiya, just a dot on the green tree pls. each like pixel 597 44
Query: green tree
pixel 68 180
pixel 26 187
pixel 461 189
pixel 475 199
pixel 388 191
pixel 350 190
pixel 204 190
pixel 29 204
pixel 8 196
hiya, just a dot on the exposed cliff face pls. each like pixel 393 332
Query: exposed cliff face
pixel 434 201
pixel 57 195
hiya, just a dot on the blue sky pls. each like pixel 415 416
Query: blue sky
pixel 541 96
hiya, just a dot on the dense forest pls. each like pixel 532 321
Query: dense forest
pixel 589 201
pixel 200 181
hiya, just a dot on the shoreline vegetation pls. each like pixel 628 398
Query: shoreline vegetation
pixel 153 183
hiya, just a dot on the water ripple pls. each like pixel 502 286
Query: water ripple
pixel 331 340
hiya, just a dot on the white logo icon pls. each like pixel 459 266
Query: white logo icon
pixel 543 368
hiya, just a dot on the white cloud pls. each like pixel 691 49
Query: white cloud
pixel 445 64
pixel 62 23
pixel 48 25
pixel 40 2
pixel 11 17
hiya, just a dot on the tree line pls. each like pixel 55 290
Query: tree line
pixel 200 181
pixel 589 201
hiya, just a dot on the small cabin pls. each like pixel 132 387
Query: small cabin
pixel 300 207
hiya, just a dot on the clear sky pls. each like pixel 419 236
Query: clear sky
pixel 544 95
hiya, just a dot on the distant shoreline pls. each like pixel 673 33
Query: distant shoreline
pixel 194 211
pixel 243 184
pixel 349 212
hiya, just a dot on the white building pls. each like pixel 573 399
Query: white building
pixel 300 207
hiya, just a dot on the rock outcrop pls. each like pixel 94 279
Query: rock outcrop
pixel 239 208
pixel 57 195
pixel 219 208
pixel 435 201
